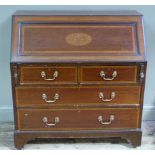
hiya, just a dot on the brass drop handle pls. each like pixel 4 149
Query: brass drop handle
pixel 103 75
pixel 101 96
pixel 55 75
pixel 55 98
pixel 56 120
pixel 101 120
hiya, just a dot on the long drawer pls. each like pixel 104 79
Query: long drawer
pixel 27 96
pixel 80 119
pixel 48 75
pixel 108 74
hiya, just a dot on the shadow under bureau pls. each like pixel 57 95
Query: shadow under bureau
pixel 77 75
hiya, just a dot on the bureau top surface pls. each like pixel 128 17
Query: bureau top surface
pixel 77 36
pixel 78 12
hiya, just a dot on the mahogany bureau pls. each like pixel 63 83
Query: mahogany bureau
pixel 77 75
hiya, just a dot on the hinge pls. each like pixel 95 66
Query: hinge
pixel 142 72
pixel 15 74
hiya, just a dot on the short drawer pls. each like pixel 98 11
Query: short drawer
pixel 27 96
pixel 78 119
pixel 48 75
pixel 110 74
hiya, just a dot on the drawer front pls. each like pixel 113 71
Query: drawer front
pixel 72 95
pixel 110 74
pixel 71 119
pixel 48 75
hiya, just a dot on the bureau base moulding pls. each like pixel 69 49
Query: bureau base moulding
pixel 132 136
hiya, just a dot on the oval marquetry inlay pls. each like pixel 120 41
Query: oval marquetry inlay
pixel 78 39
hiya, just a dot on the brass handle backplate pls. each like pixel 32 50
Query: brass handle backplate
pixel 101 120
pixel 103 75
pixel 101 96
pixel 55 75
pixel 55 98
pixel 56 120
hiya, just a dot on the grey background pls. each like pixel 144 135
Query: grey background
pixel 6 111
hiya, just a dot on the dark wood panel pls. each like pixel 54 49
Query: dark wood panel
pixel 31 96
pixel 33 75
pixel 92 74
pixel 74 39
pixel 72 119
